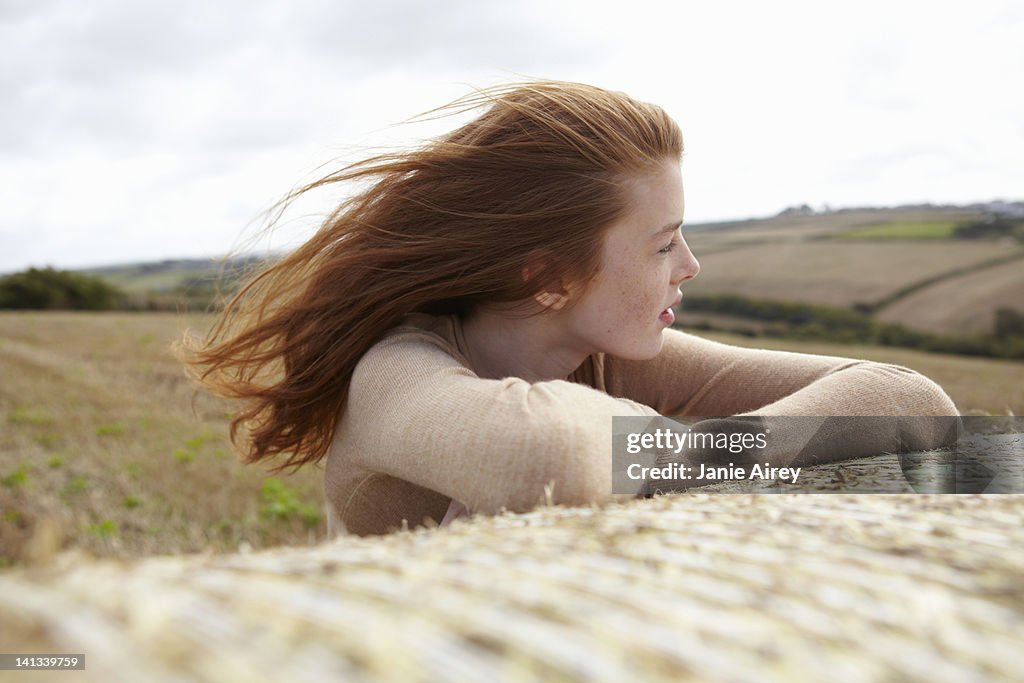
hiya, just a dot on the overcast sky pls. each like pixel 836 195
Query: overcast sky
pixel 147 130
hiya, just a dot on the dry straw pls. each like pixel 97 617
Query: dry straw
pixel 682 587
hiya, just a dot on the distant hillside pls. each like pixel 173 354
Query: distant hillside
pixel 944 270
pixel 163 276
pixel 934 269
pixel 175 284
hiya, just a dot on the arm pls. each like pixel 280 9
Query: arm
pixel 694 376
pixel 416 413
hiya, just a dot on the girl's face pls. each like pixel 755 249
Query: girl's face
pixel 623 310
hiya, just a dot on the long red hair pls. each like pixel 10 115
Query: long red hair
pixel 536 178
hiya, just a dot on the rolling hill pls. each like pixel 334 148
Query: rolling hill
pixel 904 265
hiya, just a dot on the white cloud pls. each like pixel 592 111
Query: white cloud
pixel 146 130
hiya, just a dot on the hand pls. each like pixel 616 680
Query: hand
pixel 455 510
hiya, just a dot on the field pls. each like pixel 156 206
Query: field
pixel 790 227
pixel 105 446
pixel 100 437
pixel 716 237
pixel 967 302
pixel 831 273
pixel 902 230
pixel 905 263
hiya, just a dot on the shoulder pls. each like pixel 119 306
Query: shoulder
pixel 425 335
pixel 410 366
pixel 418 334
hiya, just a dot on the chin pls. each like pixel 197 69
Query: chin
pixel 642 352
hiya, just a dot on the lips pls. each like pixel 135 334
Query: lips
pixel 675 302
pixel 668 316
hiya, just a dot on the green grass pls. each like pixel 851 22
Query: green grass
pixel 76 485
pixel 281 502
pixel 902 230
pixel 184 455
pixel 141 283
pixel 27 416
pixel 16 478
pixel 106 527
pixel 115 429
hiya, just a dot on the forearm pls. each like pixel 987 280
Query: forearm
pixel 864 388
pixel 863 409
pixel 719 449
pixel 696 376
pixel 860 409
pixel 803 441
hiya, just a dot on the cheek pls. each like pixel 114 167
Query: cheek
pixel 644 303
pixel 638 296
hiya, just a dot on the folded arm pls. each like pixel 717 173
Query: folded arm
pixel 695 376
pixel 425 418
pixel 698 377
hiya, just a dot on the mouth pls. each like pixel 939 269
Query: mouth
pixel 668 316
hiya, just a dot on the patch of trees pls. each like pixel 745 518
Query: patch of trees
pixel 49 289
pixel 826 323
pixel 1009 323
pixel 992 227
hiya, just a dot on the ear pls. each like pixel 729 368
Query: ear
pixel 552 300
pixel 552 296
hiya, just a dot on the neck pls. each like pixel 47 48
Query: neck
pixel 533 348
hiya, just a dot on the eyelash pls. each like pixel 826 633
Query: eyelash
pixel 668 247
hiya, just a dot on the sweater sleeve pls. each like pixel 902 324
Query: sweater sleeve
pixel 418 414
pixel 700 377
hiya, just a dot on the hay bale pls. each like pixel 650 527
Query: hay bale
pixel 694 586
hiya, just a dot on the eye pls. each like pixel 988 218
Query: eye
pixel 668 247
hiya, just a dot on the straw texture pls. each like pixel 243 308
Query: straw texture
pixel 683 587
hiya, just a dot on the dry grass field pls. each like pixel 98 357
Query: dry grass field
pixel 102 447
pixel 715 237
pixel 961 303
pixel 832 273
pixel 99 442
pixel 907 261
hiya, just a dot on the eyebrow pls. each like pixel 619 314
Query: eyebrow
pixel 671 227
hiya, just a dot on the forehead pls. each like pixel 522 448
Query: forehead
pixel 655 201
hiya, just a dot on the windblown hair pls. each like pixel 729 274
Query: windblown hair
pixel 532 183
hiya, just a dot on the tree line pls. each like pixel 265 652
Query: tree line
pixel 834 324
pixel 48 289
pixel 993 227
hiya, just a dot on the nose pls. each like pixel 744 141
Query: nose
pixel 688 265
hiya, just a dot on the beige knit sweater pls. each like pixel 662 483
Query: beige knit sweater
pixel 421 428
